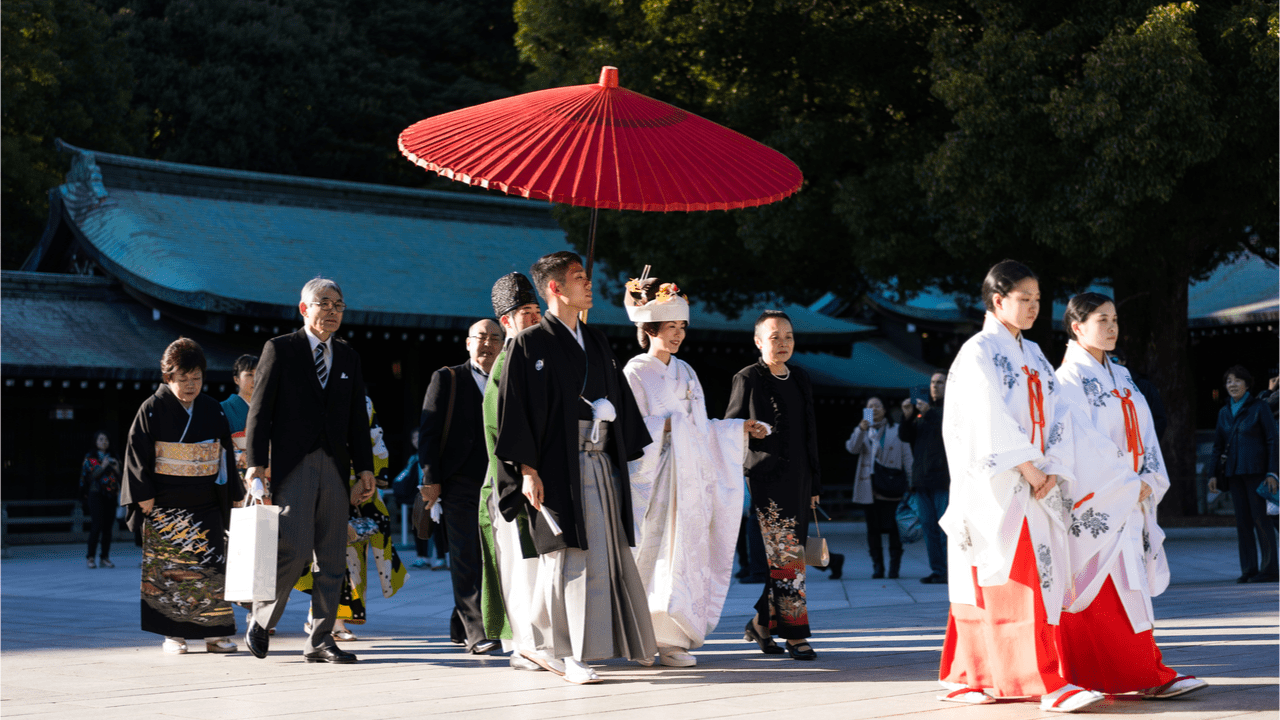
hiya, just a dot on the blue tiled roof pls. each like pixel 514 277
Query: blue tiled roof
pixel 874 365
pixel 86 327
pixel 237 242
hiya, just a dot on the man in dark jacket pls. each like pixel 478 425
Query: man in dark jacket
pixel 454 468
pixel 930 478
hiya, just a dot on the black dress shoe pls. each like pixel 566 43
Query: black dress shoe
pixel 934 579
pixel 1247 577
pixel 256 639
pixel 330 654
pixel 837 565
pixel 1263 578
pixel 486 646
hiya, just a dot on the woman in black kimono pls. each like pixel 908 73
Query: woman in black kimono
pixel 782 472
pixel 180 482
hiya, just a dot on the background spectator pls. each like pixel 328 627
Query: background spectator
pixel 930 478
pixel 1244 452
pixel 100 488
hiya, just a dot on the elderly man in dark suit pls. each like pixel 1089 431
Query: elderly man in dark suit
pixel 307 429
pixel 454 461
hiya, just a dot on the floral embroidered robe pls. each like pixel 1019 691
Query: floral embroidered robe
pixel 686 495
pixel 987 435
pixel 1110 533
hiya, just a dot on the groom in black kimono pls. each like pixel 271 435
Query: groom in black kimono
pixel 554 371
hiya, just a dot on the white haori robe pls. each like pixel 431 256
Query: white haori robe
pixel 987 432
pixel 686 494
pixel 1110 533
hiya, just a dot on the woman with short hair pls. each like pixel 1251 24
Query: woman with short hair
pixel 880 450
pixel 1244 456
pixel 179 485
pixel 783 477
pixel 1116 546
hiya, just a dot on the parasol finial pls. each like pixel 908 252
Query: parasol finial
pixel 608 77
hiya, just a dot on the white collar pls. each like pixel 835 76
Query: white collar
pixel 311 338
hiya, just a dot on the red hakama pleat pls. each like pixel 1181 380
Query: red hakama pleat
pixel 1005 642
pixel 1101 651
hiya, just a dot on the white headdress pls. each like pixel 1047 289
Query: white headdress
pixel 650 300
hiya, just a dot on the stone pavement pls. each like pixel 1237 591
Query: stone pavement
pixel 70 649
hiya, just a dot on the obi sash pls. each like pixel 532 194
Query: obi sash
pixel 188 459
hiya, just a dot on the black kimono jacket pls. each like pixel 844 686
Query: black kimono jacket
pixel 162 418
pixel 769 458
pixel 538 408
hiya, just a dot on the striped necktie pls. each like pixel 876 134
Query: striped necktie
pixel 321 371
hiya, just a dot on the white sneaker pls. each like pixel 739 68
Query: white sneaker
pixel 676 657
pixel 1070 698
pixel 220 645
pixel 174 645
pixel 578 673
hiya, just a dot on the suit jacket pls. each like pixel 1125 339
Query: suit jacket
pixel 291 415
pixel 464 452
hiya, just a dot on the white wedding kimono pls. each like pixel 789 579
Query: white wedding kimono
pixel 686 493
pixel 988 431
pixel 1110 532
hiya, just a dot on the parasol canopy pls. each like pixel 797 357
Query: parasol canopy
pixel 601 146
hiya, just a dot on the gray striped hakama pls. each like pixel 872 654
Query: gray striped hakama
pixel 594 600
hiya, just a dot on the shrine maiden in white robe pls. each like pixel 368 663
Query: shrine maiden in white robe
pixel 989 430
pixel 687 499
pixel 1110 533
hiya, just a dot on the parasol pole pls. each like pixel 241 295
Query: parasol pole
pixel 591 252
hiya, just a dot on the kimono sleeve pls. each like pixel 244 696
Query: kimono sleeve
pixel 636 435
pixel 654 420
pixel 235 488
pixel 522 408
pixel 984 440
pixel 739 399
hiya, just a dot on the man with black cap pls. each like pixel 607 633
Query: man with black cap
pixel 454 463
pixel 510 562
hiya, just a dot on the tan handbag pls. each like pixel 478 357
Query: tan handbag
pixel 815 548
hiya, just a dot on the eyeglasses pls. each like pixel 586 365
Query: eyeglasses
pixel 487 339
pixel 329 306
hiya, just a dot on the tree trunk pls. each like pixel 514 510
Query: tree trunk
pixel 1152 305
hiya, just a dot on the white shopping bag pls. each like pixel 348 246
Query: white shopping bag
pixel 251 552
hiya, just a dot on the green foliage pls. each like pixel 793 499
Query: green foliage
pixel 311 88
pixel 840 88
pixel 63 76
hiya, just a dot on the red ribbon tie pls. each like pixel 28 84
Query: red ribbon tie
pixel 1035 398
pixel 1132 433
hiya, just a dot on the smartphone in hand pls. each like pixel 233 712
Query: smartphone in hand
pixel 867 414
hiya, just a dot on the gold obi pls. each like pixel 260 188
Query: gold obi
pixel 188 459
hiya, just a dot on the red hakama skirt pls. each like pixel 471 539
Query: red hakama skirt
pixel 1101 651
pixel 1004 644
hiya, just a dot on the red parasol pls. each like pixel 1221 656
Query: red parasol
pixel 601 146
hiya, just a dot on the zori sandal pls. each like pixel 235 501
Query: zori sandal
pixel 1070 698
pixel 1180 685
pixel 967 696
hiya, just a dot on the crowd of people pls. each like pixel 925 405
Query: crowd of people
pixel 591 507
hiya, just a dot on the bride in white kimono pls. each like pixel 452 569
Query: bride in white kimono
pixel 1005 525
pixel 1116 547
pixel 687 489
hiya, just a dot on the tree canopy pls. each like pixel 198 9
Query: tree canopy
pixel 63 76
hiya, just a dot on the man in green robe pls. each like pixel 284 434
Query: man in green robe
pixel 510 567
